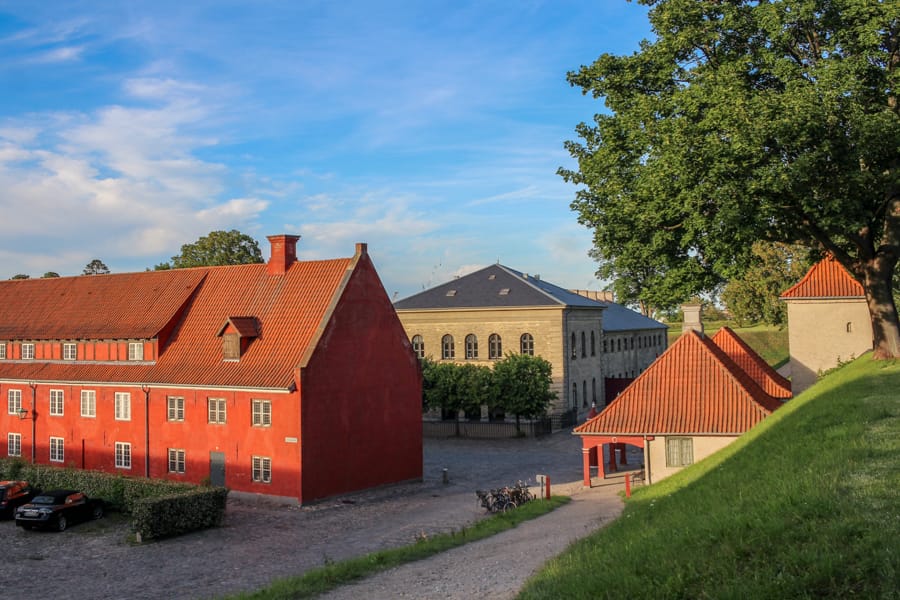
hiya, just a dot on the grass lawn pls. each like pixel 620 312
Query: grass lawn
pixel 769 342
pixel 332 575
pixel 806 505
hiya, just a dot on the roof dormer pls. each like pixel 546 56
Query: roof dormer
pixel 237 333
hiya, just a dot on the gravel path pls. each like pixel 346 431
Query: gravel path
pixel 495 567
pixel 262 541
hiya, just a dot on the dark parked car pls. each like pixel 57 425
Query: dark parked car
pixel 57 508
pixel 13 494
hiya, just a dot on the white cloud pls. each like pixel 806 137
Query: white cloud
pixel 57 55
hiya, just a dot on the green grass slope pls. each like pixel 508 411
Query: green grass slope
pixel 806 505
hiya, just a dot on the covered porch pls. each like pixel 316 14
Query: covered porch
pixel 609 454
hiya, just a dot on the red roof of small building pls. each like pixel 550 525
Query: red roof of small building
pixel 692 388
pixel 752 363
pixel 826 279
pixel 290 309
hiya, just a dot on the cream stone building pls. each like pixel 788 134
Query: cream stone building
pixel 484 315
pixel 828 322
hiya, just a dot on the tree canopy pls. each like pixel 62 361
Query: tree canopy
pixel 216 249
pixel 754 296
pixel 744 121
pixel 95 267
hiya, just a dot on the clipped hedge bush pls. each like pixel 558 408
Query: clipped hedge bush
pixel 180 507
pixel 166 516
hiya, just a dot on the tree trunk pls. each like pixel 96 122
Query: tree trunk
pixel 879 273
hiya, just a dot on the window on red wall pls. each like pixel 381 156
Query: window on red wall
pixel 262 469
pixel 261 413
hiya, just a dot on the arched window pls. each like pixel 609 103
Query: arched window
pixel 471 346
pixel 495 346
pixel 418 345
pixel 583 346
pixel 526 344
pixel 574 344
pixel 594 390
pixel 574 394
pixel 584 394
pixel 619 344
pixel 849 327
pixel 593 345
pixel 605 349
pixel 448 351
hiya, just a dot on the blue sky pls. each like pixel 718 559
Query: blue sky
pixel 430 130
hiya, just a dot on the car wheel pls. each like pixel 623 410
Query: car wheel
pixel 97 513
pixel 61 523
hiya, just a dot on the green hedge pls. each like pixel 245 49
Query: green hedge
pixel 178 507
pixel 167 516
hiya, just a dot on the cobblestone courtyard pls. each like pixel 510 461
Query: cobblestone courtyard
pixel 262 541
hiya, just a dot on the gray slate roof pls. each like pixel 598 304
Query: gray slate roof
pixel 620 318
pixel 485 289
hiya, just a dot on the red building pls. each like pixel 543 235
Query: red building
pixel 289 378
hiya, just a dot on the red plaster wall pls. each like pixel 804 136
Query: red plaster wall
pixel 362 396
pixel 90 442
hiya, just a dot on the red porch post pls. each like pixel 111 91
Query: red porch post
pixel 586 466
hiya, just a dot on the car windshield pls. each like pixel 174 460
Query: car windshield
pixel 44 500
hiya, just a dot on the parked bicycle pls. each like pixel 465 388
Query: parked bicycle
pixel 505 498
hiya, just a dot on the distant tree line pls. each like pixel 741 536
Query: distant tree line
pixel 519 384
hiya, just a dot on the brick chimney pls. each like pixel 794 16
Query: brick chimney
pixel 692 318
pixel 284 253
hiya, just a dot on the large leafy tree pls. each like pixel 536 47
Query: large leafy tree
pixel 774 267
pixel 746 120
pixel 216 249
pixel 523 385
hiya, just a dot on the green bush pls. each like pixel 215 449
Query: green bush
pixel 166 516
pixel 180 507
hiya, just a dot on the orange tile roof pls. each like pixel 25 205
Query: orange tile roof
pixel 692 388
pixel 94 307
pixel 752 363
pixel 826 279
pixel 289 309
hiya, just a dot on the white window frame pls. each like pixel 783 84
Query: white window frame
pixel 175 408
pixel 448 347
pixel 27 351
pixel 88 403
pixel 261 469
pixel 526 344
pixel 13 401
pixel 123 406
pixel 217 411
pixel 14 444
pixel 123 455
pixel 418 345
pixel 70 351
pixel 176 460
pixel 495 346
pixel 261 413
pixel 471 346
pixel 57 449
pixel 135 351
pixel 57 403
pixel 679 451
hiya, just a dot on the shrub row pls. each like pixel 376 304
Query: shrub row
pixel 165 516
pixel 158 508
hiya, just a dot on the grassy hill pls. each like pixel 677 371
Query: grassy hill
pixel 769 342
pixel 806 505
